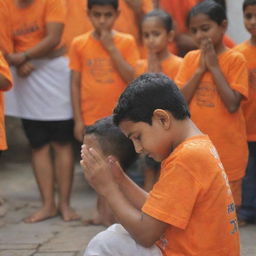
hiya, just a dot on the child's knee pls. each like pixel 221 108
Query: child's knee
pixel 112 241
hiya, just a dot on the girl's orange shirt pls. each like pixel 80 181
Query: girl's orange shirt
pixel 170 66
pixel 4 71
pixel 249 107
pixel 226 130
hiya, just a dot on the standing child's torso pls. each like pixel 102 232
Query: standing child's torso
pixel 208 111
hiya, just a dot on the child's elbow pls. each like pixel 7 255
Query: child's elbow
pixel 147 241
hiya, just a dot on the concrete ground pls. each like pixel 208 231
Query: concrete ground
pixel 52 237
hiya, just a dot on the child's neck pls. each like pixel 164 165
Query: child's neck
pixel 253 40
pixel 186 129
pixel 163 55
pixel 220 48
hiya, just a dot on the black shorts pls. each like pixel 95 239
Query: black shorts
pixel 40 133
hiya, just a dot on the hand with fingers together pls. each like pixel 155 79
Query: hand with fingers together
pixel 103 174
pixel 210 56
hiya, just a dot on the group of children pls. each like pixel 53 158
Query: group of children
pixel 152 112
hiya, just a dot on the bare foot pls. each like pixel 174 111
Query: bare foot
pixel 93 221
pixel 98 220
pixel 68 214
pixel 43 214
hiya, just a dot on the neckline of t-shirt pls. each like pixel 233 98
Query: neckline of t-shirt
pixel 190 139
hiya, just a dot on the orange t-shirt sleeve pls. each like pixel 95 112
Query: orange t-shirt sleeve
pixel 74 56
pixel 5 70
pixel 6 44
pixel 130 51
pixel 182 76
pixel 173 197
pixel 55 11
pixel 238 75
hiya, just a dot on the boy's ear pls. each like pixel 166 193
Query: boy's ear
pixel 171 35
pixel 163 117
pixel 224 25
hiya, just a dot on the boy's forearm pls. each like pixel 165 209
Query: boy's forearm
pixel 48 43
pixel 132 219
pixel 124 69
pixel 75 96
pixel 136 195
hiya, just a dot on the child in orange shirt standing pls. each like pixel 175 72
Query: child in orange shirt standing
pixel 157 32
pixel 102 62
pixel 214 81
pixel 190 210
pixel 5 84
pixel 41 96
pixel 247 211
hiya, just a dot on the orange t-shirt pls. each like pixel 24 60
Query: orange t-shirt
pixel 127 21
pixel 27 25
pixel 101 84
pixel 194 197
pixel 227 131
pixel 170 66
pixel 249 107
pixel 4 71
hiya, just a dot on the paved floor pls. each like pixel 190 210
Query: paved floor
pixel 53 237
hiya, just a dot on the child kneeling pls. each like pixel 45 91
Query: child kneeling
pixel 190 210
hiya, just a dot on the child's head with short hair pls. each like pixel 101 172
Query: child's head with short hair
pixel 102 14
pixel 157 30
pixel 149 112
pixel 207 19
pixel 109 140
pixel 249 10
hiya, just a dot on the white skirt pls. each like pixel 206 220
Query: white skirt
pixel 43 95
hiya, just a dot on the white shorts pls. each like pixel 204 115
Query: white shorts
pixel 43 95
pixel 116 241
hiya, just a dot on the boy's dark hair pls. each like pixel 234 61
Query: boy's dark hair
pixel 165 18
pixel 213 10
pixel 147 93
pixel 112 141
pixel 247 3
pixel 113 3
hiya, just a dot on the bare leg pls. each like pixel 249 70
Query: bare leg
pixel 64 167
pixel 43 170
pixel 103 216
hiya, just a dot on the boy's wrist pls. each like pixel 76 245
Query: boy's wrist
pixel 26 56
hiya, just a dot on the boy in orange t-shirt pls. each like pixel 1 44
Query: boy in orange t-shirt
pixel 247 211
pixel 127 22
pixel 214 81
pixel 40 96
pixel 190 210
pixel 102 63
